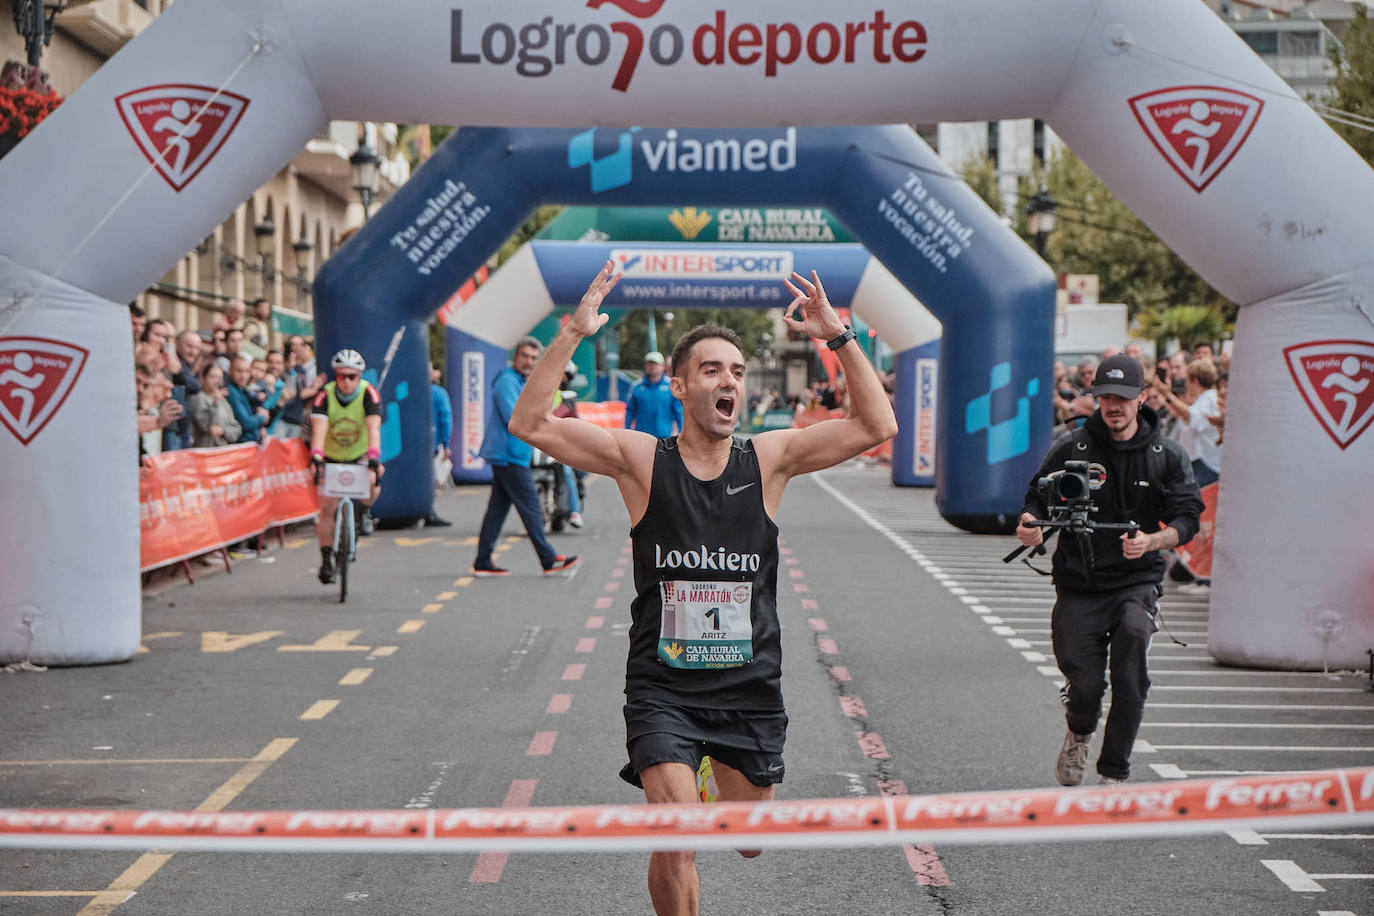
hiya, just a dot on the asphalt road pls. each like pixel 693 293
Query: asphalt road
pixel 912 659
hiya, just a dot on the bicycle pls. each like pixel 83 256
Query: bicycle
pixel 345 482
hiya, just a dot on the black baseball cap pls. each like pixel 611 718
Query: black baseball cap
pixel 1119 375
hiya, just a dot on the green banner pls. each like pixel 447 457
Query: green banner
pixel 782 225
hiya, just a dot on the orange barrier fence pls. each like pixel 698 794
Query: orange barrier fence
pixel 607 414
pixel 1197 553
pixel 194 501
pixel 1271 801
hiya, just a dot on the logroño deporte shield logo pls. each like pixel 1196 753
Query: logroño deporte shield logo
pixel 1336 379
pixel 180 127
pixel 36 375
pixel 1198 129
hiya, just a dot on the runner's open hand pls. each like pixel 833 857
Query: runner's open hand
pixel 816 317
pixel 587 320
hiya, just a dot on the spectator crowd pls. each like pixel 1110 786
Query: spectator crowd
pixel 201 389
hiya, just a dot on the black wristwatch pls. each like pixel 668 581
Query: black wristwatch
pixel 843 339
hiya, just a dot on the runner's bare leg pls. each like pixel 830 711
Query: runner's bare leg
pixel 734 786
pixel 673 883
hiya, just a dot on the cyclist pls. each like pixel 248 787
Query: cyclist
pixel 346 428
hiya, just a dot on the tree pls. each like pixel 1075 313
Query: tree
pixel 980 174
pixel 1188 324
pixel 749 324
pixel 1353 87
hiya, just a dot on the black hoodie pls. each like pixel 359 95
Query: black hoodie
pixel 1127 494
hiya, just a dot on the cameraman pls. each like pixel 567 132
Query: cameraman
pixel 1111 602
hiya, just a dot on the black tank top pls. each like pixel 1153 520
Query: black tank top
pixel 715 544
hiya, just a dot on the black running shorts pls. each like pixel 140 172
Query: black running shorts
pixel 750 741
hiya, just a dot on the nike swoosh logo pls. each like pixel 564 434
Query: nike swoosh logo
pixel 731 491
pixel 774 767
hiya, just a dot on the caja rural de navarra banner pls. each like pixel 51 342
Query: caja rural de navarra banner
pixel 197 500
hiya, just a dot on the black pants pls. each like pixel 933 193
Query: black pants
pixel 1088 629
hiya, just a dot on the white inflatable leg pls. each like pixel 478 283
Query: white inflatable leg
pixel 69 590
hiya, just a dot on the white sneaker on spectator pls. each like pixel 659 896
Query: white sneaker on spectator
pixel 575 519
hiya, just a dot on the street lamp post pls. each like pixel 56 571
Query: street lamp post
pixel 367 177
pixel 264 232
pixel 33 19
pixel 1040 218
pixel 301 247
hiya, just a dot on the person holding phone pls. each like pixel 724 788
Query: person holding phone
pixel 212 419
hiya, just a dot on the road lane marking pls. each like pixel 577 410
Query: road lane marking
pixel 1292 875
pixel 595 622
pixel 853 707
pixel 574 672
pixel 445 596
pixel 431 609
pixel 840 673
pixel 355 677
pixel 133 877
pixel 604 602
pixel 817 624
pixel 333 641
pixel 135 761
pixel 924 861
pixel 810 604
pixel 410 626
pixel 221 641
pixel 827 646
pixel 383 651
pixel 318 710
pixel 541 745
pixel 462 581
pixel 415 542
pixel 872 745
pixel 585 644
pixel 490 864
pixel 559 704
pixel 800 587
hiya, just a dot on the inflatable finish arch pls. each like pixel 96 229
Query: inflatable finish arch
pixel 546 274
pixel 1161 99
pixel 993 293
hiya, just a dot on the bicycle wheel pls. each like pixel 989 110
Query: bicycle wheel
pixel 343 527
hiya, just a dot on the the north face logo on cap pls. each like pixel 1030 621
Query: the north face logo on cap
pixel 1116 373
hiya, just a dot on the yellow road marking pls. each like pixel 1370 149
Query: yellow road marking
pixel 465 542
pixel 168 635
pixel 445 596
pixel 384 651
pixel 416 542
pixel 410 626
pixel 124 887
pixel 130 761
pixel 502 548
pixel 53 894
pixel 355 677
pixel 221 641
pixel 318 710
pixel 333 641
pixel 462 580
pixel 431 608
pixel 513 538
pixel 296 543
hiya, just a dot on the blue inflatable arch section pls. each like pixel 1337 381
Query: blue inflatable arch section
pixel 546 274
pixel 992 294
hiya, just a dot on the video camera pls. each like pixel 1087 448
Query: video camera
pixel 1068 495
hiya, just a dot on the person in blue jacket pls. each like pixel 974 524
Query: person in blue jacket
pixel 442 428
pixel 250 415
pixel 651 407
pixel 511 481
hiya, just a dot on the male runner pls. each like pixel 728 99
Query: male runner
pixel 703 674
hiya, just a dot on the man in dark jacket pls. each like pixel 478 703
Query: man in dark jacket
pixel 1107 597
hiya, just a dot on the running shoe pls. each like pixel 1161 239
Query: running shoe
pixel 1110 781
pixel 488 571
pixel 1073 758
pixel 575 519
pixel 561 564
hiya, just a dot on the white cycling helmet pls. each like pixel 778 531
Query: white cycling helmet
pixel 348 359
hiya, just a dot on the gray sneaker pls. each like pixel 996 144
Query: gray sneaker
pixel 1073 758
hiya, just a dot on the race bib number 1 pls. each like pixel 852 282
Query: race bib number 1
pixel 706 624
